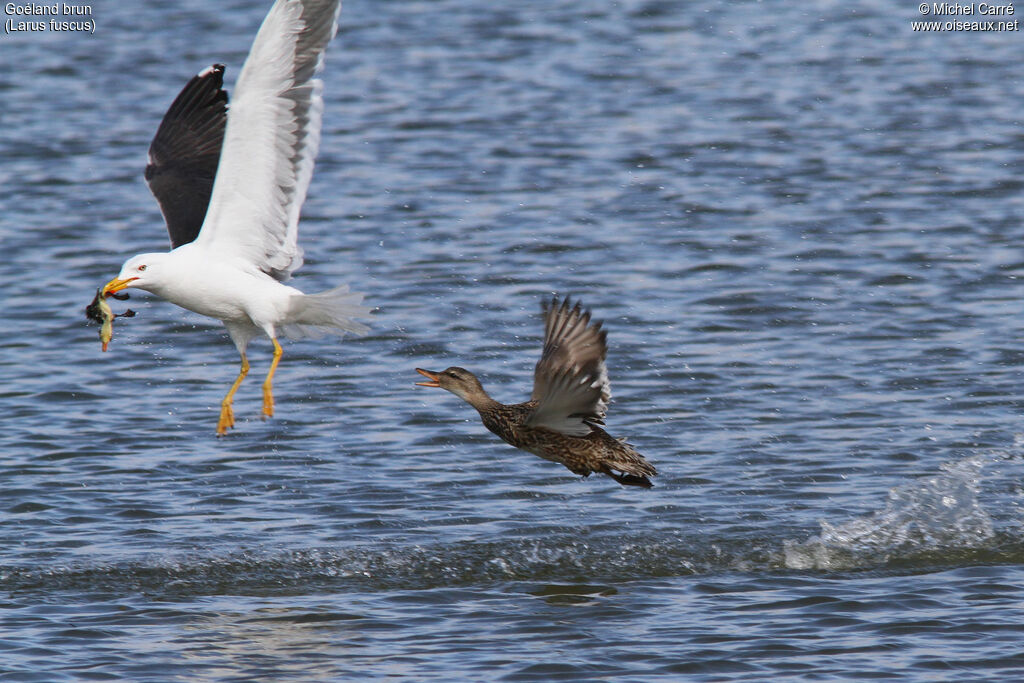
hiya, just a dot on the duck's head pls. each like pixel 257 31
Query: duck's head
pixel 459 381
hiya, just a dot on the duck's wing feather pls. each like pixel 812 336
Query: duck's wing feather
pixel 570 382
pixel 272 137
pixel 185 151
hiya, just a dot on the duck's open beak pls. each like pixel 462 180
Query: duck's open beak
pixel 432 376
pixel 116 285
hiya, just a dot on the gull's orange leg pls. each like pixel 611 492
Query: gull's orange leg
pixel 268 394
pixel 227 415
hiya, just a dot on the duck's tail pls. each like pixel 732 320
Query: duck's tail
pixel 313 315
pixel 626 466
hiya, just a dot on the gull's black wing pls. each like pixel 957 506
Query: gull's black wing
pixel 185 152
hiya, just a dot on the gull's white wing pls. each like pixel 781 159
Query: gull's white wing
pixel 271 140
pixel 570 382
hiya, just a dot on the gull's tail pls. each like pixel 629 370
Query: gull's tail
pixel 312 315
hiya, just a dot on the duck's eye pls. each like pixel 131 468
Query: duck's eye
pixel 142 267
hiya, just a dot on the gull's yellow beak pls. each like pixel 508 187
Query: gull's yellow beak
pixel 432 376
pixel 116 285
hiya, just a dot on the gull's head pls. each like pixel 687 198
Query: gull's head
pixel 144 271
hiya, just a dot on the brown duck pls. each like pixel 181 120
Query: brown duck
pixel 561 421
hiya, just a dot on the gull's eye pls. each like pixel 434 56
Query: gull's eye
pixel 142 267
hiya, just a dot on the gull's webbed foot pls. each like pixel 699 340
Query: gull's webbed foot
pixel 268 402
pixel 227 413
pixel 227 418
pixel 268 392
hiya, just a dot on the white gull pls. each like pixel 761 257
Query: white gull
pixel 231 182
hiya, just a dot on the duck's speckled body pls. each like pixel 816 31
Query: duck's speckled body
pixel 570 398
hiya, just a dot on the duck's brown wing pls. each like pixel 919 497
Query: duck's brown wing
pixel 185 153
pixel 570 382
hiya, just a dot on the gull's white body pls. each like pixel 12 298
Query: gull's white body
pixel 230 290
pixel 248 243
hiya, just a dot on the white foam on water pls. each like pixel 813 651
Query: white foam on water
pixel 934 513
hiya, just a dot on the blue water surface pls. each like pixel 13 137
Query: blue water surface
pixel 801 224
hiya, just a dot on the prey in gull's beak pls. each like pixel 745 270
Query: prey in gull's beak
pixel 99 310
pixel 116 285
pixel 432 376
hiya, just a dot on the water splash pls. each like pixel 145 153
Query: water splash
pixel 607 560
pixel 930 522
pixel 937 513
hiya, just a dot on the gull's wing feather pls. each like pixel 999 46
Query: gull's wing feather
pixel 570 382
pixel 272 137
pixel 185 151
